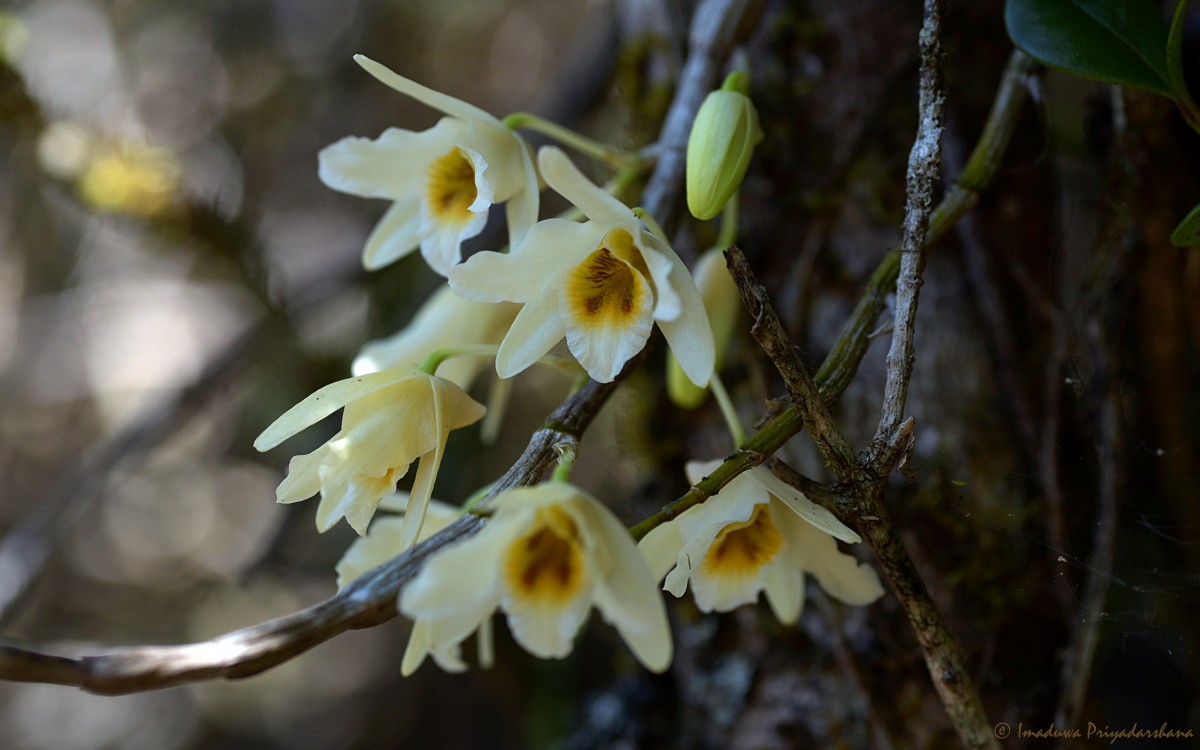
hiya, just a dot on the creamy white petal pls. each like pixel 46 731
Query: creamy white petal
pixel 547 629
pixel 427 468
pixel 522 207
pixel 802 506
pixel 785 591
pixel 626 590
pixel 381 544
pixel 441 590
pixel 661 548
pixel 549 249
pixel 423 94
pixel 326 401
pixel 561 174
pixel 396 235
pixel 720 593
pixel 661 262
pixel 441 241
pixel 446 319
pixel 484 194
pixel 421 644
pixel 689 335
pixel 841 575
pixel 505 151
pixel 536 329
pixel 302 480
pixel 390 166
pixel 350 500
pixel 486 644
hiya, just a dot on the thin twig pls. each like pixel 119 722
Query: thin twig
pixel 768 331
pixel 842 362
pixel 924 163
pixel 861 487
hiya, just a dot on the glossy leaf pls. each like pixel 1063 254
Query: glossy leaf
pixel 1175 51
pixel 1187 234
pixel 1183 97
pixel 1113 41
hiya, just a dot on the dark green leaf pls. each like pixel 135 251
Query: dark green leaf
pixel 1183 97
pixel 1187 234
pixel 1114 41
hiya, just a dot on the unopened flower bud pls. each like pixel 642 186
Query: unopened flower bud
pixel 720 146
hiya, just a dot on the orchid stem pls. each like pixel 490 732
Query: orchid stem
pixel 727 235
pixel 438 356
pixel 736 431
pixel 556 362
pixel 566 462
pixel 613 157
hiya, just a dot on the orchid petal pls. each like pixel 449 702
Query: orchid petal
pixel 549 249
pixel 536 329
pixel 794 499
pixel 396 235
pixel 391 166
pixel 841 575
pixel 626 592
pixel 785 592
pixel 689 335
pixel 326 401
pixel 566 179
pixel 423 94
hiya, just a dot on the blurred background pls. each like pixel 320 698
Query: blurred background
pixel 173 276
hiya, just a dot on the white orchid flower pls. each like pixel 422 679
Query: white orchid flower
pixel 442 181
pixel 446 319
pixel 602 284
pixel 383 542
pixel 545 556
pixel 391 419
pixel 757 534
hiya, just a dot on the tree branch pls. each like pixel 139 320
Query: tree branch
pixel 924 164
pixel 768 331
pixel 366 602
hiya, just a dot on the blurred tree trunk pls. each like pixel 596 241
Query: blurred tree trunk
pixel 1056 352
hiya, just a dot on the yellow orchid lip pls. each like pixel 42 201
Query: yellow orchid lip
pixel 602 291
pixel 450 189
pixel 546 565
pixel 742 549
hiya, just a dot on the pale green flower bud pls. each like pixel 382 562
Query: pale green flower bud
pixel 720 146
pixel 723 304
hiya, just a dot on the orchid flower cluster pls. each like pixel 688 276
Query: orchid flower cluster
pixel 547 553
